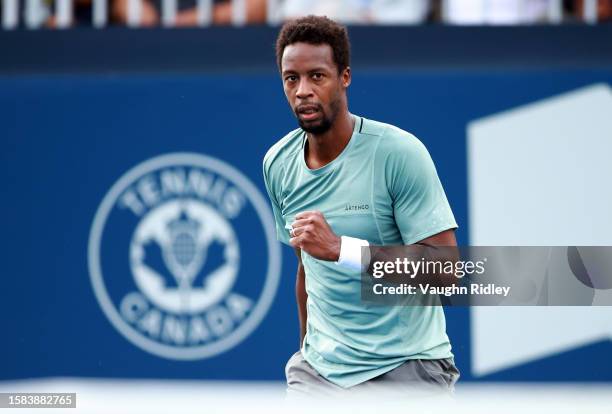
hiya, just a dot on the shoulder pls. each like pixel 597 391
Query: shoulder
pixel 282 149
pixel 394 142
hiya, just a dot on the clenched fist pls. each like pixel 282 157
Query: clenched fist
pixel 311 233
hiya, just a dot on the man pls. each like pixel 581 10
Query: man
pixel 337 183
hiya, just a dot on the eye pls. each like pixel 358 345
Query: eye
pixel 317 76
pixel 290 78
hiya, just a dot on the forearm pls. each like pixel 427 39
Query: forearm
pixel 301 298
pixel 414 264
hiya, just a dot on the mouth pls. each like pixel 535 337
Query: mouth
pixel 308 112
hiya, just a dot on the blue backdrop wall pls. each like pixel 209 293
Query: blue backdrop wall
pixel 67 138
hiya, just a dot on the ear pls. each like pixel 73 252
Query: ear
pixel 345 77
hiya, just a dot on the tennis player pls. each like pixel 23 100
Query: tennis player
pixel 337 183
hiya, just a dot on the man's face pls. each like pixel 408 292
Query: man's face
pixel 314 89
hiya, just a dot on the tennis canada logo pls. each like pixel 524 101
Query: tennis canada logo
pixel 182 256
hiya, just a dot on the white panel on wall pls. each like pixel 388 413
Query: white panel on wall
pixel 540 175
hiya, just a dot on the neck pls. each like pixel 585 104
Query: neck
pixel 324 148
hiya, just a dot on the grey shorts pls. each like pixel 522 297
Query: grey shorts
pixel 414 376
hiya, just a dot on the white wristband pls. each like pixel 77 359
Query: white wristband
pixel 350 253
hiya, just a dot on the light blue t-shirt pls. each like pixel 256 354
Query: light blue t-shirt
pixel 384 188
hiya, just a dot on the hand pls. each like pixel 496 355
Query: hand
pixel 311 233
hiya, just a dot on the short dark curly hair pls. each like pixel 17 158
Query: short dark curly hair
pixel 315 30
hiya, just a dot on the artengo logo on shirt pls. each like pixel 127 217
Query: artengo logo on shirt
pixel 356 207
pixel 182 256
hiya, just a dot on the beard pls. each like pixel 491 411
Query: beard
pixel 318 128
pixel 325 123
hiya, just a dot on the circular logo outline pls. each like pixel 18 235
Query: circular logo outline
pixel 271 283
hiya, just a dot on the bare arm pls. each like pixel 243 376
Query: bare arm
pixel 441 247
pixel 301 296
pixel 312 233
pixel 445 238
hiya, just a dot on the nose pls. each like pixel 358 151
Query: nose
pixel 303 90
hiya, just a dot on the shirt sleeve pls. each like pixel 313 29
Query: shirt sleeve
pixel 420 206
pixel 282 234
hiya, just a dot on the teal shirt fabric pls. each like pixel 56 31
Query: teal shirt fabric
pixel 383 188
